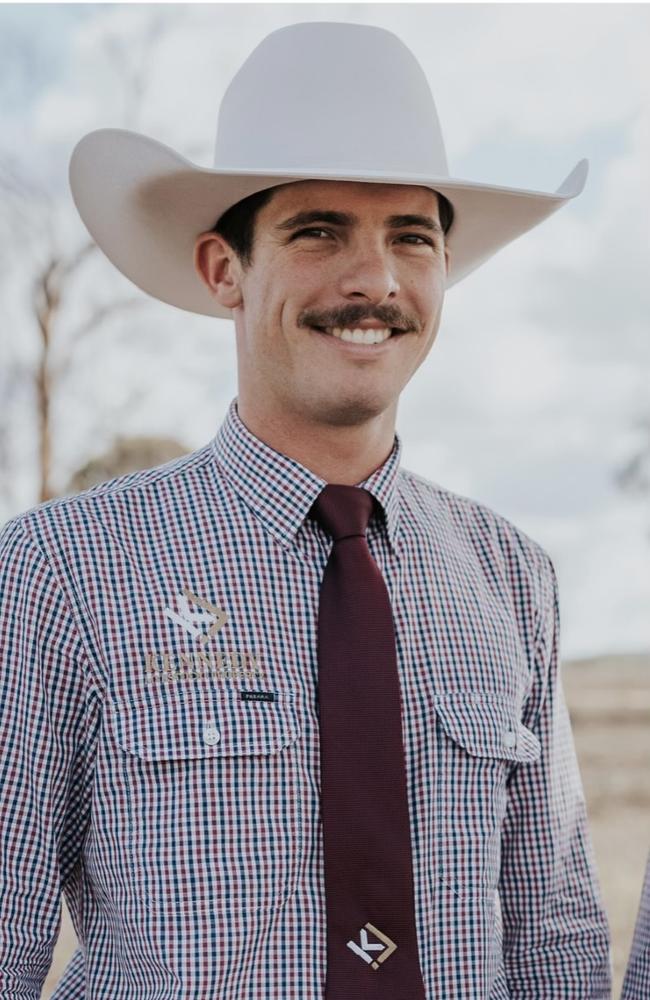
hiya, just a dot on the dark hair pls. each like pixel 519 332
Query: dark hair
pixel 237 224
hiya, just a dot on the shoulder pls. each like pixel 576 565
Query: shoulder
pixel 493 537
pixel 83 513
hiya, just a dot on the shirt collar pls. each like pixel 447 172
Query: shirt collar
pixel 281 491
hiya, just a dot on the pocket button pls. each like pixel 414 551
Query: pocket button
pixel 211 735
pixel 510 739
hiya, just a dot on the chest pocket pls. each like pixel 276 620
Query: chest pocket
pixel 212 799
pixel 479 740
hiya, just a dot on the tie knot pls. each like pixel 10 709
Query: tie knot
pixel 343 511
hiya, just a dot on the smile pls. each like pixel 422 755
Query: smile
pixel 358 336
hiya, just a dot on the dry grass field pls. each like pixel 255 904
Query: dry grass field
pixel 609 701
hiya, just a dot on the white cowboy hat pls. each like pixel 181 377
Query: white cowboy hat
pixel 320 101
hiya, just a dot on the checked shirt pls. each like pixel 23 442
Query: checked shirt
pixel 636 985
pixel 159 757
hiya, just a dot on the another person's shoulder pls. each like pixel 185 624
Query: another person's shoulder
pixel 491 535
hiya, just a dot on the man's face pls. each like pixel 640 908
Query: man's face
pixel 363 267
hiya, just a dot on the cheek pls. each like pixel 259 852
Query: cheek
pixel 267 312
pixel 292 287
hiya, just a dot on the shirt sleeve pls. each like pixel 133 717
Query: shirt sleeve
pixel 556 933
pixel 44 760
pixel 636 985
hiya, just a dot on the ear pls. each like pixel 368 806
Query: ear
pixel 446 259
pixel 218 267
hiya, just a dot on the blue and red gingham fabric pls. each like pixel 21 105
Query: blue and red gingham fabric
pixel 159 753
pixel 636 985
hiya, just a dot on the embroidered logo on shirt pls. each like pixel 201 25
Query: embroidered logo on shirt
pixel 190 620
pixel 365 947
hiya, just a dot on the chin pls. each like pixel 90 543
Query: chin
pixel 352 410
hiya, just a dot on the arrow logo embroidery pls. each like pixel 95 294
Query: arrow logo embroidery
pixel 363 950
pixel 191 620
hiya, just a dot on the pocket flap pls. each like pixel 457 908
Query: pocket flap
pixel 487 726
pixel 171 725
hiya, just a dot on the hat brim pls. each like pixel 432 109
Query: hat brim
pixel 144 205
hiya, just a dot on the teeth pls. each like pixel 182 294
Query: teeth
pixel 360 336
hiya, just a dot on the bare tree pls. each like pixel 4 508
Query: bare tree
pixel 28 231
pixel 53 281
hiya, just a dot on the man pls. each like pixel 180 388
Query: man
pixel 636 985
pixel 282 719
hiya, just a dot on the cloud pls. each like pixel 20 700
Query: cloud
pixel 541 71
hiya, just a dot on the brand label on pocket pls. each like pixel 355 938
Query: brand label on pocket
pixel 257 695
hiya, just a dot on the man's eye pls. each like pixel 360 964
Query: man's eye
pixel 416 236
pixel 407 236
pixel 302 232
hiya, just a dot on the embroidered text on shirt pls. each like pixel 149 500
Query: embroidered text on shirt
pixel 200 665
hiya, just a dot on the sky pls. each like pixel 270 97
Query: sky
pixel 535 391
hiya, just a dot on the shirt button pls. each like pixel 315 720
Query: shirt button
pixel 211 735
pixel 510 739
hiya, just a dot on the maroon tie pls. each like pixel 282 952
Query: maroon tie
pixel 372 951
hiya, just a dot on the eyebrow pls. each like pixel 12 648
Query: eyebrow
pixel 347 219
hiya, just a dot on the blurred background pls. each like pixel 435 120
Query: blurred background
pixel 534 399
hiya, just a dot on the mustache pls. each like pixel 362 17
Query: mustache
pixel 350 316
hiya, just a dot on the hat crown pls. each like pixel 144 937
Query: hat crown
pixel 330 98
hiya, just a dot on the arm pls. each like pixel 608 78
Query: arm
pixel 44 780
pixel 556 935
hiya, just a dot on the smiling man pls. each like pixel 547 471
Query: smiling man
pixel 340 307
pixel 282 719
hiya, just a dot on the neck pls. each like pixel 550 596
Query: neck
pixel 338 453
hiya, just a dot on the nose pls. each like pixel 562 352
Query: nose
pixel 369 274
